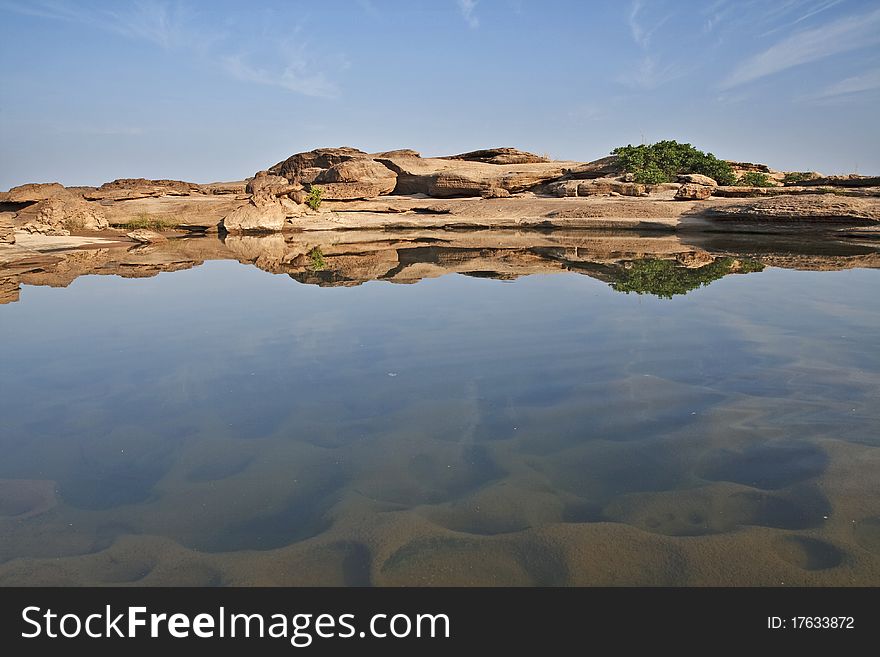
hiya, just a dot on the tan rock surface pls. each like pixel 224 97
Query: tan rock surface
pixel 816 206
pixel 7 228
pixel 250 217
pixel 59 213
pixel 499 156
pixel 694 192
pixel 146 236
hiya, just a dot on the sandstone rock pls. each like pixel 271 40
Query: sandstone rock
pixel 44 229
pixel 298 196
pixel 745 191
pixel 309 175
pixel 454 184
pixel 33 192
pixel 234 187
pixel 596 187
pixel 400 152
pixel 263 180
pixel 445 178
pixel 696 179
pixel 499 156
pixel 265 188
pixel 321 158
pixel 812 206
pixel 132 188
pixel 63 212
pixel 145 236
pixel 351 191
pixel 745 167
pixel 601 168
pixel 693 192
pixel 850 180
pixel 7 228
pixel 9 289
pixel 355 179
pixel 495 192
pixel 250 218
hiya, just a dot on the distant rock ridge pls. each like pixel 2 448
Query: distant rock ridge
pixel 485 187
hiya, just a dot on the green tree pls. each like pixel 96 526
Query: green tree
pixel 661 162
pixel 755 179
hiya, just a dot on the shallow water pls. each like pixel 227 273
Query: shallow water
pixel 224 425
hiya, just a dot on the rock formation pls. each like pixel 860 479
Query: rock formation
pixel 332 188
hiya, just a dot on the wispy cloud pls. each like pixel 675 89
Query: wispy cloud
pixel 868 81
pixel 808 12
pixel 843 35
pixel 175 27
pixel 467 7
pixel 649 73
pixel 296 76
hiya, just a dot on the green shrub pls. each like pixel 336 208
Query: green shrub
pixel 317 260
pixel 667 278
pixel 755 179
pixel 661 162
pixel 797 176
pixel 314 198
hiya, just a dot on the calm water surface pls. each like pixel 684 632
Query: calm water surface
pixel 223 425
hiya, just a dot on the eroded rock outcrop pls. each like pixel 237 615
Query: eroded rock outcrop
pixel 360 178
pixel 61 214
pixel 499 156
pixel 694 192
pixel 811 207
pixel 132 188
pixel 7 228
pixel 269 216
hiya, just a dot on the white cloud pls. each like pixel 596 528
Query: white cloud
pixel 295 76
pixel 466 7
pixel 635 28
pixel 843 35
pixel 649 74
pixel 852 85
pixel 174 27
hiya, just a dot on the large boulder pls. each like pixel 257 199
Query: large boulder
pixel 320 158
pixel 268 217
pixel 33 192
pixel 445 178
pixel 694 192
pixel 145 236
pixel 601 168
pixel 696 179
pixel 60 214
pixel 499 156
pixel 596 187
pixel 264 181
pixel 356 179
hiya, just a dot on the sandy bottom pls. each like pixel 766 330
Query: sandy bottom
pixel 546 431
pixel 518 511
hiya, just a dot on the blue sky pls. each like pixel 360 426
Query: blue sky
pixel 206 91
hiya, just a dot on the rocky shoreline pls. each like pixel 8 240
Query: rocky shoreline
pixel 501 188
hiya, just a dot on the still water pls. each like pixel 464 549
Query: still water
pixel 223 425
